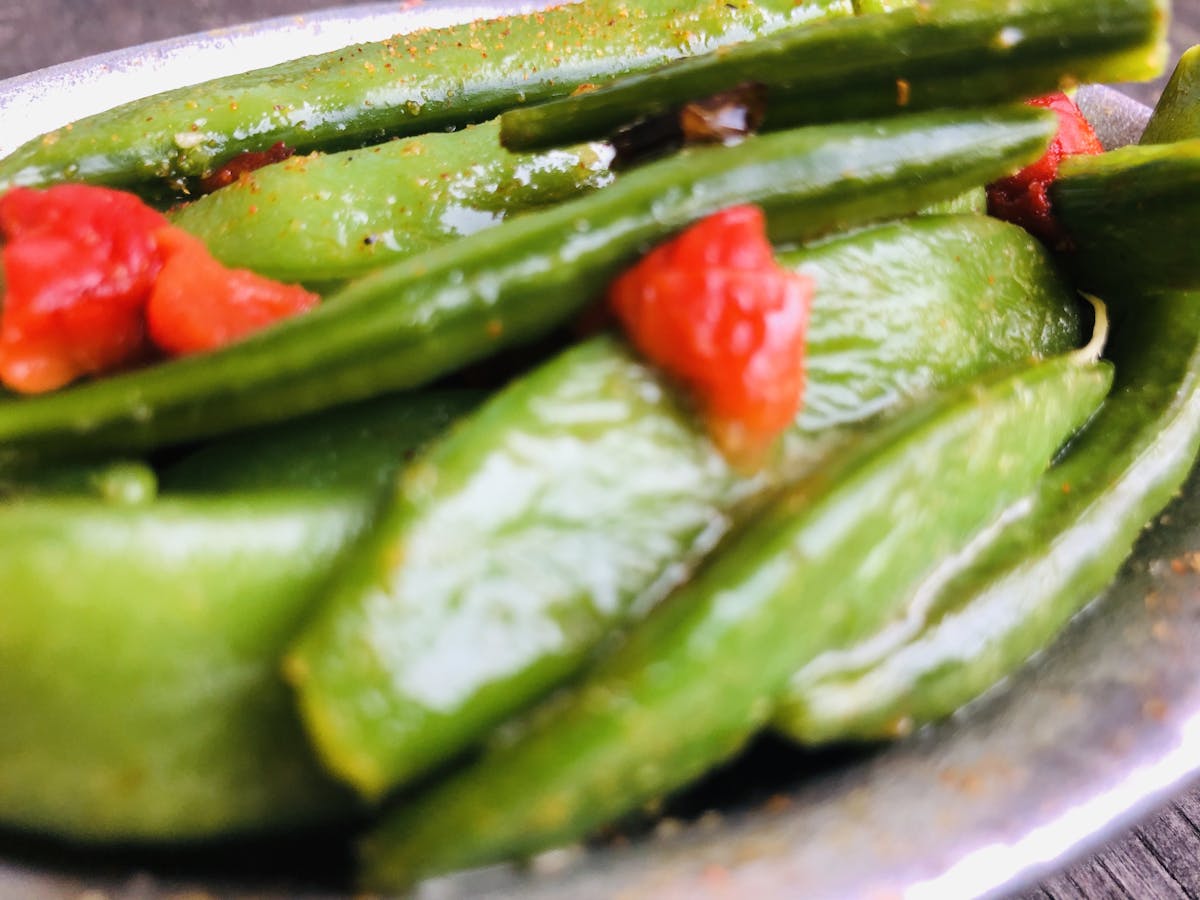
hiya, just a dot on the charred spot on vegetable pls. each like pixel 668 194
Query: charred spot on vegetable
pixel 722 118
pixel 726 116
pixel 244 163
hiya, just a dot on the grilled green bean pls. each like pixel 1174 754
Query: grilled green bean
pixel 422 317
pixel 578 495
pixel 321 218
pixel 1128 213
pixel 1011 596
pixel 936 54
pixel 700 674
pixel 428 80
pixel 1177 115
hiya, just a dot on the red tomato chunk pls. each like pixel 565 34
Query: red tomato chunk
pixel 82 266
pixel 715 311
pixel 79 265
pixel 198 304
pixel 1023 199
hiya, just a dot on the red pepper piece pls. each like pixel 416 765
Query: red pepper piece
pixel 1022 199
pixel 715 311
pixel 79 265
pixel 243 163
pixel 198 304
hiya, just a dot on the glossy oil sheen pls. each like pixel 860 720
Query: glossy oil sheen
pixel 1008 597
pixel 410 322
pixel 930 55
pixel 319 218
pixel 579 495
pixel 829 559
pixel 426 80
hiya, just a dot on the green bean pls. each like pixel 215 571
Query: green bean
pixel 138 685
pixel 323 218
pixel 1014 593
pixel 1177 115
pixel 1128 214
pixel 428 80
pixel 422 317
pixel 1006 600
pixel 936 54
pixel 699 675
pixel 579 494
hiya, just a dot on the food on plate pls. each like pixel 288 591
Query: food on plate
pixel 701 673
pixel 426 316
pixel 604 493
pixel 471 623
pixel 96 281
pixel 429 80
pixel 929 55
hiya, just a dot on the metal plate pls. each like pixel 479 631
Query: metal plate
pixel 1082 739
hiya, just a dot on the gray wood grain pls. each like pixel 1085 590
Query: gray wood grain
pixel 1175 842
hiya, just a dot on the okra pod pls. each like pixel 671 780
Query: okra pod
pixel 935 54
pixel 601 492
pixel 428 80
pixel 320 218
pixel 138 682
pixel 700 674
pixel 1130 215
pixel 111 736
pixel 1009 598
pixel 427 315
pixel 1012 596
pixel 1177 115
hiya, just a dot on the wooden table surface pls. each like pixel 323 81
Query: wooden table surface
pixel 1158 858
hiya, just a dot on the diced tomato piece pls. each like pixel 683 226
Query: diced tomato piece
pixel 198 304
pixel 715 311
pixel 92 275
pixel 1023 199
pixel 79 264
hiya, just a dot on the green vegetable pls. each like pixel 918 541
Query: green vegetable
pixel 1008 598
pixel 428 80
pixel 972 201
pixel 935 54
pixel 123 481
pixel 701 673
pixel 578 495
pixel 319 218
pixel 410 322
pixel 1011 596
pixel 138 682
pixel 355 447
pixel 1129 214
pixel 139 645
pixel 1177 115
